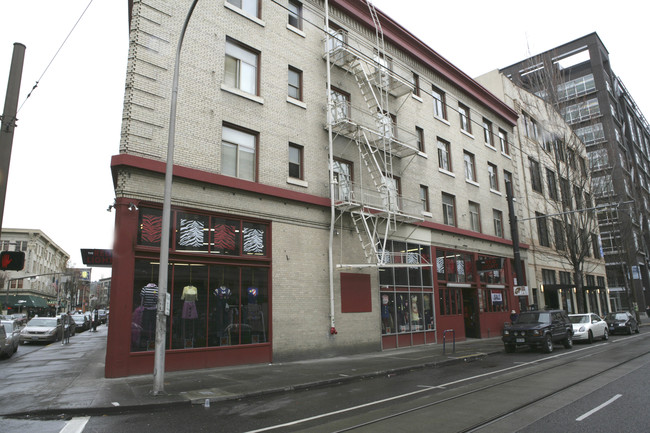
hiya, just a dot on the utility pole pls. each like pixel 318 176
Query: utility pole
pixel 514 233
pixel 161 316
pixel 9 120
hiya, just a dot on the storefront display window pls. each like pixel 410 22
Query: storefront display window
pixel 211 305
pixel 494 300
pixel 450 301
pixel 406 291
pixel 214 300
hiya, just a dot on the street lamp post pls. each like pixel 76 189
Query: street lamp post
pixel 161 318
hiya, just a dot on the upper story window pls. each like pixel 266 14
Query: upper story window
pixel 474 216
pixel 238 153
pixel 487 132
pixel 340 105
pixel 551 183
pixel 295 161
pixel 343 178
pixel 439 103
pixel 295 83
pixel 497 219
pixel 241 67
pixel 542 229
pixel 419 132
pixel 465 120
pixel 338 36
pixel 444 155
pixel 493 174
pixel 295 14
pixel 535 175
pixel 415 80
pixel 448 209
pixel 470 167
pixel 424 197
pixel 250 7
pixel 503 142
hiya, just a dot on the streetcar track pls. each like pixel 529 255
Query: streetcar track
pixel 510 412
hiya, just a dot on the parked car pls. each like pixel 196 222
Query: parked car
pixel 538 329
pixel 622 321
pixel 41 329
pixel 12 336
pixel 588 326
pixel 81 321
pixel 103 315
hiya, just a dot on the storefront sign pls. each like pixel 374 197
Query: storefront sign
pixel 496 297
pixel 490 264
pixel 521 290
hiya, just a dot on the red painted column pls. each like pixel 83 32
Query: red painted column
pixel 119 331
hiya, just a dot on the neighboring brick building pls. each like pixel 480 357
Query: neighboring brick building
pixel 604 115
pixel 287 241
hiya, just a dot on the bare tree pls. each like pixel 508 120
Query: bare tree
pixel 568 201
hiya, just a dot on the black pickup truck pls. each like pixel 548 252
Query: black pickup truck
pixel 538 329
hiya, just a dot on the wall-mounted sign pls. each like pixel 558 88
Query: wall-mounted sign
pixel 96 257
pixel 521 290
pixel 489 264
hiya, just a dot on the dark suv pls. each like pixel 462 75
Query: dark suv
pixel 539 329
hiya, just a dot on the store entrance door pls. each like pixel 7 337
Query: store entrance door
pixel 470 313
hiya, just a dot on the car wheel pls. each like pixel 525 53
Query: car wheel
pixel 605 335
pixel 590 337
pixel 548 344
pixel 568 341
pixel 510 348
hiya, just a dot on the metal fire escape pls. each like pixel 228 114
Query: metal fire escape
pixel 375 206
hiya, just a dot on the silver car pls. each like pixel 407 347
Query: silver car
pixel 12 337
pixel 41 329
pixel 588 326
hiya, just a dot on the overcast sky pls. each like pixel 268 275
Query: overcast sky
pixel 60 179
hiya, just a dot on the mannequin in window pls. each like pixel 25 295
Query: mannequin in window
pixel 222 294
pixel 386 318
pixel 189 296
pixel 415 315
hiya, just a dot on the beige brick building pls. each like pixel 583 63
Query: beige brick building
pixel 318 208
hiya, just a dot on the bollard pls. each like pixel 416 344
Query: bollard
pixel 444 338
pixel 207 403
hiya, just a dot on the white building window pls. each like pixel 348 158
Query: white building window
pixel 241 67
pixel 238 150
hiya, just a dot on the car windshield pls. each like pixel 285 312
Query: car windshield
pixel 579 319
pixel 617 316
pixel 9 327
pixel 534 318
pixel 42 321
pixel 78 318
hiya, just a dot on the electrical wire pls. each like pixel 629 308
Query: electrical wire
pixel 55 54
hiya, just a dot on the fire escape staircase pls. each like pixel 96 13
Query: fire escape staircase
pixel 377 211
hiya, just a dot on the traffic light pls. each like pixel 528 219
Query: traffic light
pixel 12 260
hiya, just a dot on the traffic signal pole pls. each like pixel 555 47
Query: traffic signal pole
pixel 9 120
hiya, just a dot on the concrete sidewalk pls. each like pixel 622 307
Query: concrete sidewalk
pixel 69 379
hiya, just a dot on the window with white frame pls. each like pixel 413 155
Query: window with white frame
pixel 238 153
pixel 241 67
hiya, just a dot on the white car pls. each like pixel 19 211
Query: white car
pixel 588 326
